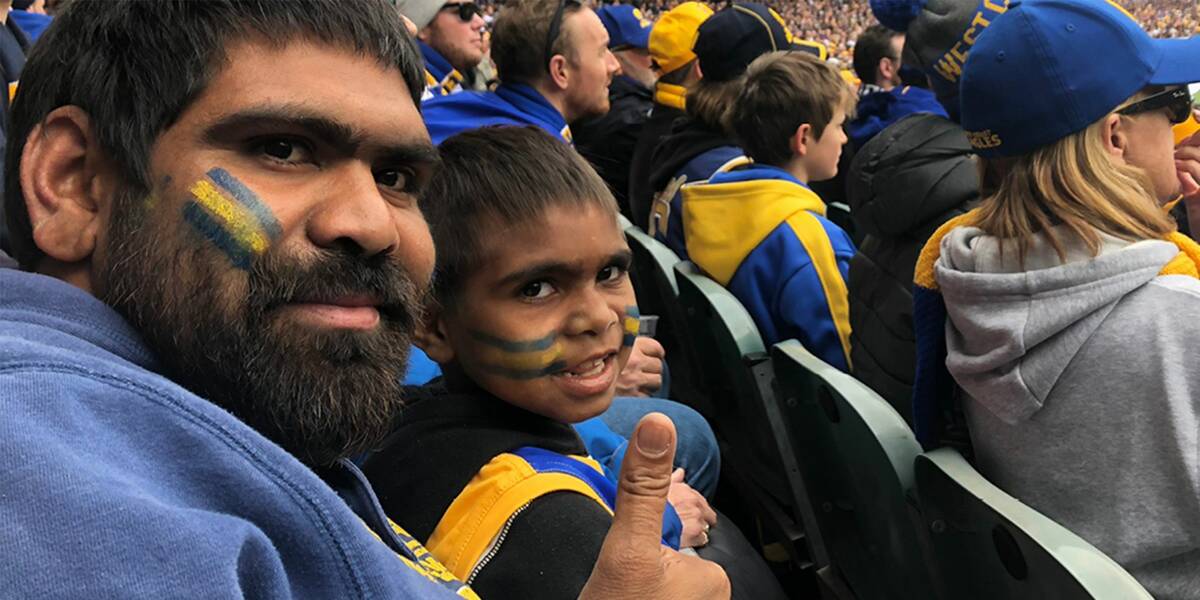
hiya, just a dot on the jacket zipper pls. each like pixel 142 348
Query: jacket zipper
pixel 495 549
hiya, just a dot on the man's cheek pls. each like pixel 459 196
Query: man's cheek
pixel 231 217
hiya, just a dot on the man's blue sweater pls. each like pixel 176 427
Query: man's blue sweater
pixel 119 483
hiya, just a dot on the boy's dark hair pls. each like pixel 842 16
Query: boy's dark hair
pixel 781 92
pixel 519 39
pixel 872 46
pixel 495 176
pixel 134 66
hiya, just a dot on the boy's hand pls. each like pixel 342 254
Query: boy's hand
pixel 642 375
pixel 693 510
pixel 633 563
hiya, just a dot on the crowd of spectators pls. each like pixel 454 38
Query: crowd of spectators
pixel 1167 18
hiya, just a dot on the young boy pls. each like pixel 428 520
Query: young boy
pixel 758 229
pixel 533 319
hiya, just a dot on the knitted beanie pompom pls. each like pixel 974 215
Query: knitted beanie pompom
pixel 896 14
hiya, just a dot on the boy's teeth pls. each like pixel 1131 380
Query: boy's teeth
pixel 593 369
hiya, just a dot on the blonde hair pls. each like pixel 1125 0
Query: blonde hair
pixel 1073 183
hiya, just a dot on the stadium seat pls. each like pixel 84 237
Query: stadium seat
pixel 855 455
pixel 737 374
pixel 653 278
pixel 988 544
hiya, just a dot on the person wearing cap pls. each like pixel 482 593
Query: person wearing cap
pixel 882 97
pixel 607 141
pixel 671 56
pixel 702 144
pixel 1067 303
pixel 758 228
pixel 901 186
pixel 449 36
pixel 554 66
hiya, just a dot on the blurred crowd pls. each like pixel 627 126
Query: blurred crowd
pixel 1167 18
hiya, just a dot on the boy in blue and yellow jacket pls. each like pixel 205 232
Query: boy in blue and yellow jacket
pixel 533 319
pixel 758 229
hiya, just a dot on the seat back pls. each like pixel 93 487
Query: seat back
pixel 988 544
pixel 856 459
pixel 653 276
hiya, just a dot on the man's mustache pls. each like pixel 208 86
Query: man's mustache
pixel 276 281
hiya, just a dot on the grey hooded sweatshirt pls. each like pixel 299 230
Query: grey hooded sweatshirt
pixel 1082 390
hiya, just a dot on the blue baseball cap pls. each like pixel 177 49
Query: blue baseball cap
pixel 626 26
pixel 1046 69
pixel 734 36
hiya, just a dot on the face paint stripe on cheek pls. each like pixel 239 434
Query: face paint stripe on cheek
pixel 542 343
pixel 231 217
pixel 520 359
pixel 211 229
pixel 236 220
pixel 248 199
pixel 631 324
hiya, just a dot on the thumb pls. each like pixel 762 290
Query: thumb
pixel 678 475
pixel 643 484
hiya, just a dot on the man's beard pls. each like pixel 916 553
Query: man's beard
pixel 322 394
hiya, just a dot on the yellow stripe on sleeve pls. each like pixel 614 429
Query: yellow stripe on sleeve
pixel 820 250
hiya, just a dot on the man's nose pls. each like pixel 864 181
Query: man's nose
pixel 353 214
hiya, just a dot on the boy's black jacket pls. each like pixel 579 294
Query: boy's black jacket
pixel 441 440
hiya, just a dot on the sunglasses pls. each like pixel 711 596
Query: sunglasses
pixel 466 10
pixel 1177 101
pixel 556 28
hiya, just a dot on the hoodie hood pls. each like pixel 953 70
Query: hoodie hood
pixel 728 216
pixel 1013 328
pixel 912 177
pixel 688 139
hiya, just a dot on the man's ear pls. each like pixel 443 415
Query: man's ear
pixel 432 337
pixel 886 69
pixel 423 34
pixel 559 75
pixel 1115 136
pixel 67 184
pixel 799 142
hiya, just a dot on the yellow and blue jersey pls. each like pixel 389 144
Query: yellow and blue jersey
pixel 763 234
pixel 666 212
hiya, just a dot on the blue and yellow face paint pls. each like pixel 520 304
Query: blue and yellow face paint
pixel 631 324
pixel 530 359
pixel 232 217
pixel 521 359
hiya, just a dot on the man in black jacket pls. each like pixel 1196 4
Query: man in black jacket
pixel 607 141
pixel 902 185
pixel 671 50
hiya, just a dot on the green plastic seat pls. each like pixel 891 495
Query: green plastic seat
pixel 990 545
pixel 737 374
pixel 855 455
pixel 653 278
pixel 623 222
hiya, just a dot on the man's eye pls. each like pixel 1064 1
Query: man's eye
pixel 285 151
pixel 396 179
pixel 537 290
pixel 610 274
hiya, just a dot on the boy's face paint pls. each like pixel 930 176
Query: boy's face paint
pixel 231 217
pixel 548 320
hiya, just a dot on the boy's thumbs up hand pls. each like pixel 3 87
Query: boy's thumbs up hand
pixel 633 563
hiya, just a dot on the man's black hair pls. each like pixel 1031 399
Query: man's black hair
pixel 873 45
pixel 135 65
pixel 496 176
